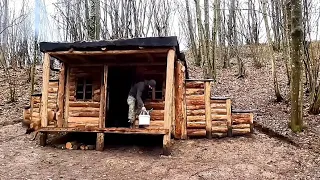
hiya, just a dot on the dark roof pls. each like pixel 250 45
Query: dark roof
pixel 119 44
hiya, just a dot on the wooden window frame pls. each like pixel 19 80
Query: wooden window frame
pixel 84 90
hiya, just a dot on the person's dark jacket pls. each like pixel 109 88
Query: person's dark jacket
pixel 140 91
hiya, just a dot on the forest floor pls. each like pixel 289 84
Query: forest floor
pixel 254 157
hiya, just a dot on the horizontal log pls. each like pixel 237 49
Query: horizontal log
pixel 192 102
pixel 200 112
pixel 84 104
pixel 157 113
pixel 196 125
pixel 195 97
pixel 97 91
pixel 36 100
pixel 219 123
pixel 241 126
pixel 195 107
pixel 72 89
pixel 220 129
pixel 241 131
pixel 219 98
pixel 79 125
pixel 53 84
pixel 218 101
pixel 219 111
pixel 84 109
pixel 83 114
pixel 53 89
pixel 156 105
pixel 36 105
pixel 34 109
pixel 196 132
pixel 161 131
pixel 194 91
pixel 196 118
pixel 241 115
pixel 84 120
pixel 241 121
pixel 52 106
pixel 72 98
pixel 194 84
pixel 216 117
pixel 202 106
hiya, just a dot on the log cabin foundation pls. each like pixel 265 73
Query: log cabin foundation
pixel 95 78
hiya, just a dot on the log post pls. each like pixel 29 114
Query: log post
pixel 43 138
pixel 168 100
pixel 180 106
pixel 62 80
pixel 45 87
pixel 102 111
pixel 207 95
pixel 229 118
pixel 67 96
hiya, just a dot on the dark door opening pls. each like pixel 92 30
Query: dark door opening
pixel 119 84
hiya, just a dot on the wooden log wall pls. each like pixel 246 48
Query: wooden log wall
pixel 83 113
pixel 223 122
pixel 242 123
pixel 35 121
pixel 52 100
pixel 195 102
pixel 156 116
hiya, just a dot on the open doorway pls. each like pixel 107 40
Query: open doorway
pixel 120 80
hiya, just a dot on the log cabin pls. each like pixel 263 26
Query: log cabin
pixel 91 92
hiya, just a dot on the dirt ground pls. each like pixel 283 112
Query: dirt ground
pixel 255 157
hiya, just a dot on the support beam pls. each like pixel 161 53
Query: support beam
pixel 43 138
pixel 61 91
pixel 45 87
pixel 207 95
pixel 102 113
pixel 67 96
pixel 229 119
pixel 168 100
pixel 180 118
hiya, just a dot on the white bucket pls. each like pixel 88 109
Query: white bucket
pixel 144 119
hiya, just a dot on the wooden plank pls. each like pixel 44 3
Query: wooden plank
pixel 85 104
pixel 229 120
pixel 160 131
pixel 207 94
pixel 67 96
pixel 195 84
pixel 45 86
pixel 83 114
pixel 168 100
pixel 199 112
pixel 110 52
pixel 190 91
pixel 84 109
pixel 196 118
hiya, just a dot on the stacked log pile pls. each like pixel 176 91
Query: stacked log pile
pixel 83 114
pixel 242 123
pixel 156 115
pixel 195 102
pixel 74 145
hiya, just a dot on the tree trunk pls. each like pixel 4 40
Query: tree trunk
pixel 191 36
pixel 273 63
pixel 296 66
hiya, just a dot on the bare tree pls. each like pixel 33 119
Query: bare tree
pixel 296 66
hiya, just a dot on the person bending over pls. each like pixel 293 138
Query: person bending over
pixel 136 93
